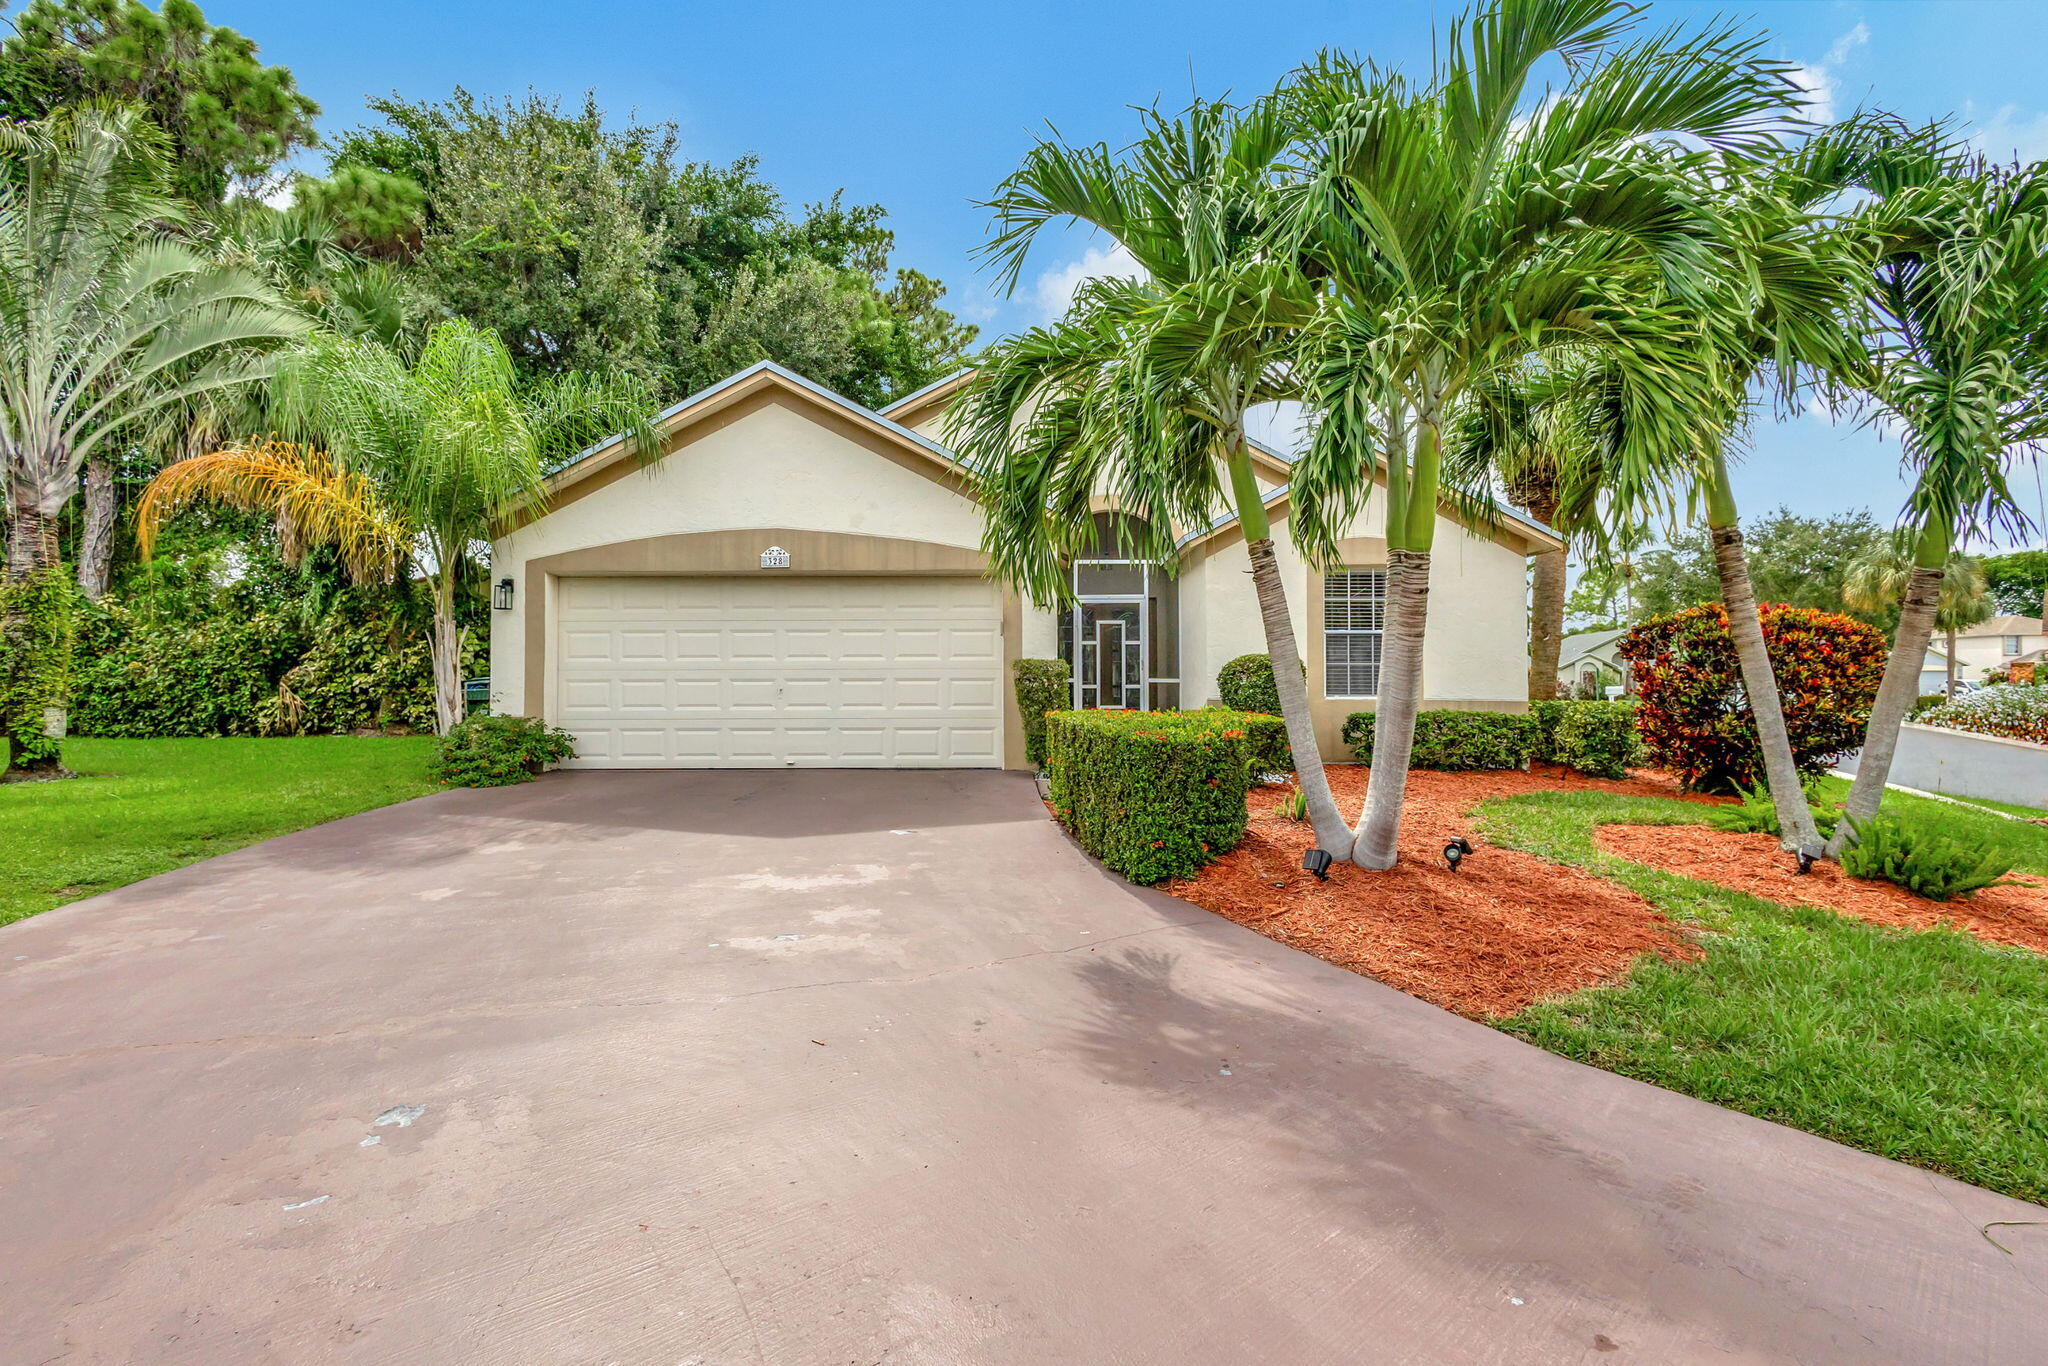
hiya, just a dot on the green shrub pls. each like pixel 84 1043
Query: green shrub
pixel 1928 701
pixel 1152 794
pixel 1043 686
pixel 1294 806
pixel 496 751
pixel 1246 684
pixel 1546 714
pixel 1755 814
pixel 1265 738
pixel 1921 859
pixel 37 634
pixel 1454 740
pixel 1596 738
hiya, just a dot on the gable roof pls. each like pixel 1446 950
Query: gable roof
pixel 1573 648
pixel 762 377
pixel 1277 466
pixel 2005 626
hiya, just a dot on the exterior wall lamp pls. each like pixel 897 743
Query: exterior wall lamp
pixel 501 595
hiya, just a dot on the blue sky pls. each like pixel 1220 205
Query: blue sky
pixel 924 107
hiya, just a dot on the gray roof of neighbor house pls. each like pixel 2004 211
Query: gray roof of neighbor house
pixel 1576 647
pixel 2005 626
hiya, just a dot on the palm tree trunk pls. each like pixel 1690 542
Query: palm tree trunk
pixel 1546 608
pixel 35 646
pixel 1949 644
pixel 1376 841
pixel 1899 687
pixel 96 541
pixel 446 654
pixel 1759 680
pixel 1332 835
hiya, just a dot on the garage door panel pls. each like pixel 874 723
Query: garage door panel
pixel 769 672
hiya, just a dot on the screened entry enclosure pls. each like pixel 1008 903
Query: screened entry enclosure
pixel 1121 632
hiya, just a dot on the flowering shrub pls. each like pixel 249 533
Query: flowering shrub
pixel 2012 711
pixel 1152 794
pixel 1044 686
pixel 1694 718
pixel 1265 736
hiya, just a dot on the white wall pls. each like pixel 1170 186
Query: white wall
pixel 1965 765
pixel 773 467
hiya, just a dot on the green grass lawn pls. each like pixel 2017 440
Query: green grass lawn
pixel 1928 1047
pixel 141 807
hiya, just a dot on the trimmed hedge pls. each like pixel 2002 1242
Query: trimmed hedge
pixel 1597 739
pixel 1043 686
pixel 1601 739
pixel 1152 794
pixel 1246 684
pixel 1455 740
pixel 1265 738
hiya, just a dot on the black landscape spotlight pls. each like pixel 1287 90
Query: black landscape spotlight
pixel 1317 861
pixel 1457 851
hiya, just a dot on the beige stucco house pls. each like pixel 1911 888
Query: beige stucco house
pixel 797 580
pixel 1996 644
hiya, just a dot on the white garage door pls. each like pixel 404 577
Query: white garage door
pixel 765 672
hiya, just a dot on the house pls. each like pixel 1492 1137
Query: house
pixel 1995 644
pixel 1934 673
pixel 797 580
pixel 1587 661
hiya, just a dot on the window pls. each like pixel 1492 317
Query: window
pixel 2012 645
pixel 1354 617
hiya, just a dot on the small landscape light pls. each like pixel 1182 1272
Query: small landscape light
pixel 1317 861
pixel 1807 857
pixel 501 596
pixel 1457 851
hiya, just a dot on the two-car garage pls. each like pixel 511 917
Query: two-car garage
pixel 768 671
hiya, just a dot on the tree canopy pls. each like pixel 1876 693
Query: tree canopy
pixel 228 116
pixel 591 246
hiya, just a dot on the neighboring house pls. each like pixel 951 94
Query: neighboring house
pixel 1995 644
pixel 798 580
pixel 1588 661
pixel 1934 673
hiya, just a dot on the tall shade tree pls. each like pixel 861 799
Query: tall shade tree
pixel 1468 220
pixel 229 117
pixel 1961 295
pixel 407 462
pixel 106 319
pixel 1877 581
pixel 1139 395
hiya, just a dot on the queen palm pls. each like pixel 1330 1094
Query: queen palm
pixel 1877 580
pixel 1140 393
pixel 106 318
pixel 1469 220
pixel 1962 367
pixel 405 463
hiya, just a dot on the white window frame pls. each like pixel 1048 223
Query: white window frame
pixel 1344 631
pixel 2012 645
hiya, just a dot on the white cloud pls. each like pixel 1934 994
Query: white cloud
pixel 2010 133
pixel 1817 79
pixel 1055 288
pixel 1281 425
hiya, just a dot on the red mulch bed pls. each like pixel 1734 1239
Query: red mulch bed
pixel 1503 931
pixel 2015 915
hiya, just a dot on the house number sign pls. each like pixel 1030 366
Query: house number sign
pixel 775 557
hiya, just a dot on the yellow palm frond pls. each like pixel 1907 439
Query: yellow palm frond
pixel 315 502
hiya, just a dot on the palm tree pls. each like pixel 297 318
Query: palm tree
pixel 1962 367
pixel 1878 578
pixel 418 463
pixel 1548 432
pixel 106 318
pixel 1141 392
pixel 1463 223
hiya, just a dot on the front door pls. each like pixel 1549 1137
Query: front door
pixel 1111 668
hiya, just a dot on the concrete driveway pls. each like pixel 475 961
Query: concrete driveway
pixel 822 1067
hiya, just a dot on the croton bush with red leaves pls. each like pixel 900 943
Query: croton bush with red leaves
pixel 1694 716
